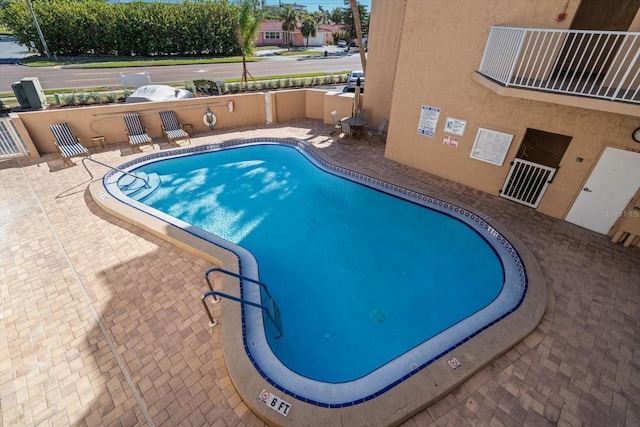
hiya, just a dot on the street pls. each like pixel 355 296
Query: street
pixel 61 78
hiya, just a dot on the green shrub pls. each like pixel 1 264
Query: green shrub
pixel 95 97
pixel 83 98
pixel 126 29
pixel 69 99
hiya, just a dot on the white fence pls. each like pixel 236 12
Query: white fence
pixel 599 64
pixel 527 182
pixel 11 144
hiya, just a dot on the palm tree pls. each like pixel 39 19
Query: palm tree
pixel 289 22
pixel 356 18
pixel 247 32
pixel 309 28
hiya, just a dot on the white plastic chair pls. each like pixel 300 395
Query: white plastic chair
pixel 336 122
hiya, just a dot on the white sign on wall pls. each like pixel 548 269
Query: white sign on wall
pixel 491 146
pixel 428 121
pixel 455 126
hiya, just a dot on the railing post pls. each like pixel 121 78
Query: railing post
pixel 523 34
pixel 486 48
pixel 626 74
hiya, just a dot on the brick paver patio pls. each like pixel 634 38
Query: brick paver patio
pixel 101 323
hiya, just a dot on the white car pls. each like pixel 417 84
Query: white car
pixel 342 43
pixel 353 81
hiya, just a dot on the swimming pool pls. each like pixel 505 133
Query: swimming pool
pixel 398 365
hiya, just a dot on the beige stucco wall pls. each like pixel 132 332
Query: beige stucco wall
pixel 107 121
pixel 385 27
pixel 314 104
pixel 248 110
pixel 440 48
pixel 340 102
pixel 289 105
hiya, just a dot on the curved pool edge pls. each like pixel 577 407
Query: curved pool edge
pixel 390 408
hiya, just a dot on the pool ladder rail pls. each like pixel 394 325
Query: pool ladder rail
pixel 136 186
pixel 134 176
pixel 272 310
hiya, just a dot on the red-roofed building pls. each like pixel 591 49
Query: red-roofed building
pixel 271 33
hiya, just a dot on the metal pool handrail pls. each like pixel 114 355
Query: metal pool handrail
pixel 273 312
pixel 146 182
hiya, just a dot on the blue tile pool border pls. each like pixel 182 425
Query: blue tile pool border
pixel 516 279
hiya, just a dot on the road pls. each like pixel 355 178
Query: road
pixel 60 78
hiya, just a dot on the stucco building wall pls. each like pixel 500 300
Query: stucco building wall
pixel 440 48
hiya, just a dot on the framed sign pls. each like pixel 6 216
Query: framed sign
pixel 455 126
pixel 428 121
pixel 491 146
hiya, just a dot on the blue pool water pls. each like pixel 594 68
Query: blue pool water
pixel 362 277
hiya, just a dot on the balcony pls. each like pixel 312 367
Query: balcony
pixel 598 70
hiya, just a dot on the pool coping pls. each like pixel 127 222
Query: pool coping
pixel 390 408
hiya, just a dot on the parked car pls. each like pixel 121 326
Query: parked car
pixel 353 81
pixel 353 45
pixel 342 43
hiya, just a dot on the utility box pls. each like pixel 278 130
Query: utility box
pixel 34 93
pixel 18 90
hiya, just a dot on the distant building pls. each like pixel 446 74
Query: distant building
pixel 271 33
pixel 295 6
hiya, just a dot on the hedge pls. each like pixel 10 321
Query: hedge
pixel 93 27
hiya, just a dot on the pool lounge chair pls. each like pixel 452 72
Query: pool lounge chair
pixel 171 129
pixel 136 132
pixel 67 144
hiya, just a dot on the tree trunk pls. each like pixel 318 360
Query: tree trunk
pixel 244 70
pixel 356 18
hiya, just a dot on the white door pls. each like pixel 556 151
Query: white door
pixel 610 187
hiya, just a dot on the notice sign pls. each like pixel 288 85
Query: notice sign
pixel 274 402
pixel 450 141
pixel 491 146
pixel 428 121
pixel 455 126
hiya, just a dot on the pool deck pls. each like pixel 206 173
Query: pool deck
pixel 101 324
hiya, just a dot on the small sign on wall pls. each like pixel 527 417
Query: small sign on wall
pixel 428 121
pixel 455 126
pixel 450 141
pixel 491 146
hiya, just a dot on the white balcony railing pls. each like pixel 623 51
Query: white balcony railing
pixel 597 64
